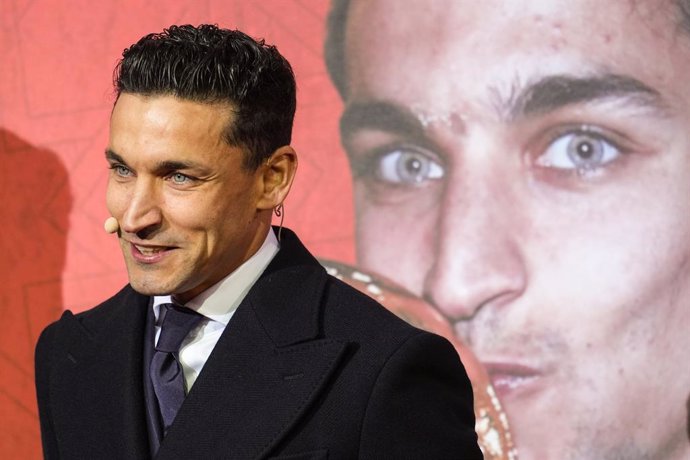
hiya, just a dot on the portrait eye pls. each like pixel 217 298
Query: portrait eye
pixel 408 167
pixel 581 151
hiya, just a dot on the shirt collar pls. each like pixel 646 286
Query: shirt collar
pixel 220 301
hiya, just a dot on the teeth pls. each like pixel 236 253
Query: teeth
pixel 148 251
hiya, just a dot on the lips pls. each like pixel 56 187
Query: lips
pixel 148 253
pixel 510 379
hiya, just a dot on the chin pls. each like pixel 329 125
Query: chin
pixel 145 290
pixel 151 287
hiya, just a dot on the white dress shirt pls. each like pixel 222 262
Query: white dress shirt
pixel 217 304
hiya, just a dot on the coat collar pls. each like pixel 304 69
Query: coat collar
pixel 287 297
pixel 267 368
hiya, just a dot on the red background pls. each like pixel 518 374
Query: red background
pixel 55 99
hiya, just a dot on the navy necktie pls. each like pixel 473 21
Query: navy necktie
pixel 166 371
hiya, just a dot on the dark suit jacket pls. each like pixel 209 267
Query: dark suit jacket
pixel 307 368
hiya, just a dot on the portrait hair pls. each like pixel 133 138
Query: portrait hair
pixel 334 47
pixel 684 6
pixel 208 64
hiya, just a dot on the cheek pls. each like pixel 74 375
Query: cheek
pixel 193 211
pixel 396 241
pixel 190 218
pixel 115 199
pixel 608 271
pixel 215 222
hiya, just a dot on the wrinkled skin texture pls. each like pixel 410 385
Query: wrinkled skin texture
pixel 188 210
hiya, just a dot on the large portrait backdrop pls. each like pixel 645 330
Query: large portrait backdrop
pixel 513 175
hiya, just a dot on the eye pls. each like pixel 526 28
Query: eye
pixel 581 150
pixel 179 178
pixel 408 167
pixel 120 170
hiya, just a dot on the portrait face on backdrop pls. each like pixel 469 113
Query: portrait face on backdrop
pixel 186 203
pixel 524 167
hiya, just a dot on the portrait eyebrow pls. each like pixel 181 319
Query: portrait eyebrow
pixel 379 115
pixel 558 91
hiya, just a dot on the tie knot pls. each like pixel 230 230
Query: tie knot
pixel 176 324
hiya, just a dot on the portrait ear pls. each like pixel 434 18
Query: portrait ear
pixel 276 176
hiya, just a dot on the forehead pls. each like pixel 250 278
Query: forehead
pixel 167 124
pixel 475 47
pixel 169 112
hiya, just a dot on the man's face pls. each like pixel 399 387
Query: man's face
pixel 525 167
pixel 186 207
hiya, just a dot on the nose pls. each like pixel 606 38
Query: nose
pixel 143 212
pixel 478 261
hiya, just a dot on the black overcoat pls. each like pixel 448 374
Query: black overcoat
pixel 307 368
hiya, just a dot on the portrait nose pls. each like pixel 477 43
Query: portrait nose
pixel 142 212
pixel 478 260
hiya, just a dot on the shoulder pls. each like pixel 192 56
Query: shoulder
pixel 421 393
pixel 417 388
pixel 348 309
pixel 110 308
pixel 89 322
pixel 383 340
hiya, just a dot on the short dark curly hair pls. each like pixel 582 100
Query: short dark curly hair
pixel 212 65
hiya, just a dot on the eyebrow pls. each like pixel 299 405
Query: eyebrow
pixel 110 155
pixel 161 166
pixel 543 96
pixel 557 91
pixel 379 115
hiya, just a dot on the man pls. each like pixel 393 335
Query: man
pixel 524 166
pixel 276 358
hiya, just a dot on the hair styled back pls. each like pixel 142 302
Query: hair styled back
pixel 208 64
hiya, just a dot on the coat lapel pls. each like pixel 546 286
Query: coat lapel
pixel 100 383
pixel 267 368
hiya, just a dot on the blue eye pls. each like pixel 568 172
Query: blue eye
pixel 179 178
pixel 408 167
pixel 121 170
pixel 582 151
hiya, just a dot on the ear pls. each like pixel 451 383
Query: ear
pixel 276 176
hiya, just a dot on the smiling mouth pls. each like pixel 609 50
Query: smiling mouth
pixel 510 380
pixel 148 254
pixel 149 251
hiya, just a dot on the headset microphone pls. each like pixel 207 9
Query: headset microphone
pixel 111 225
